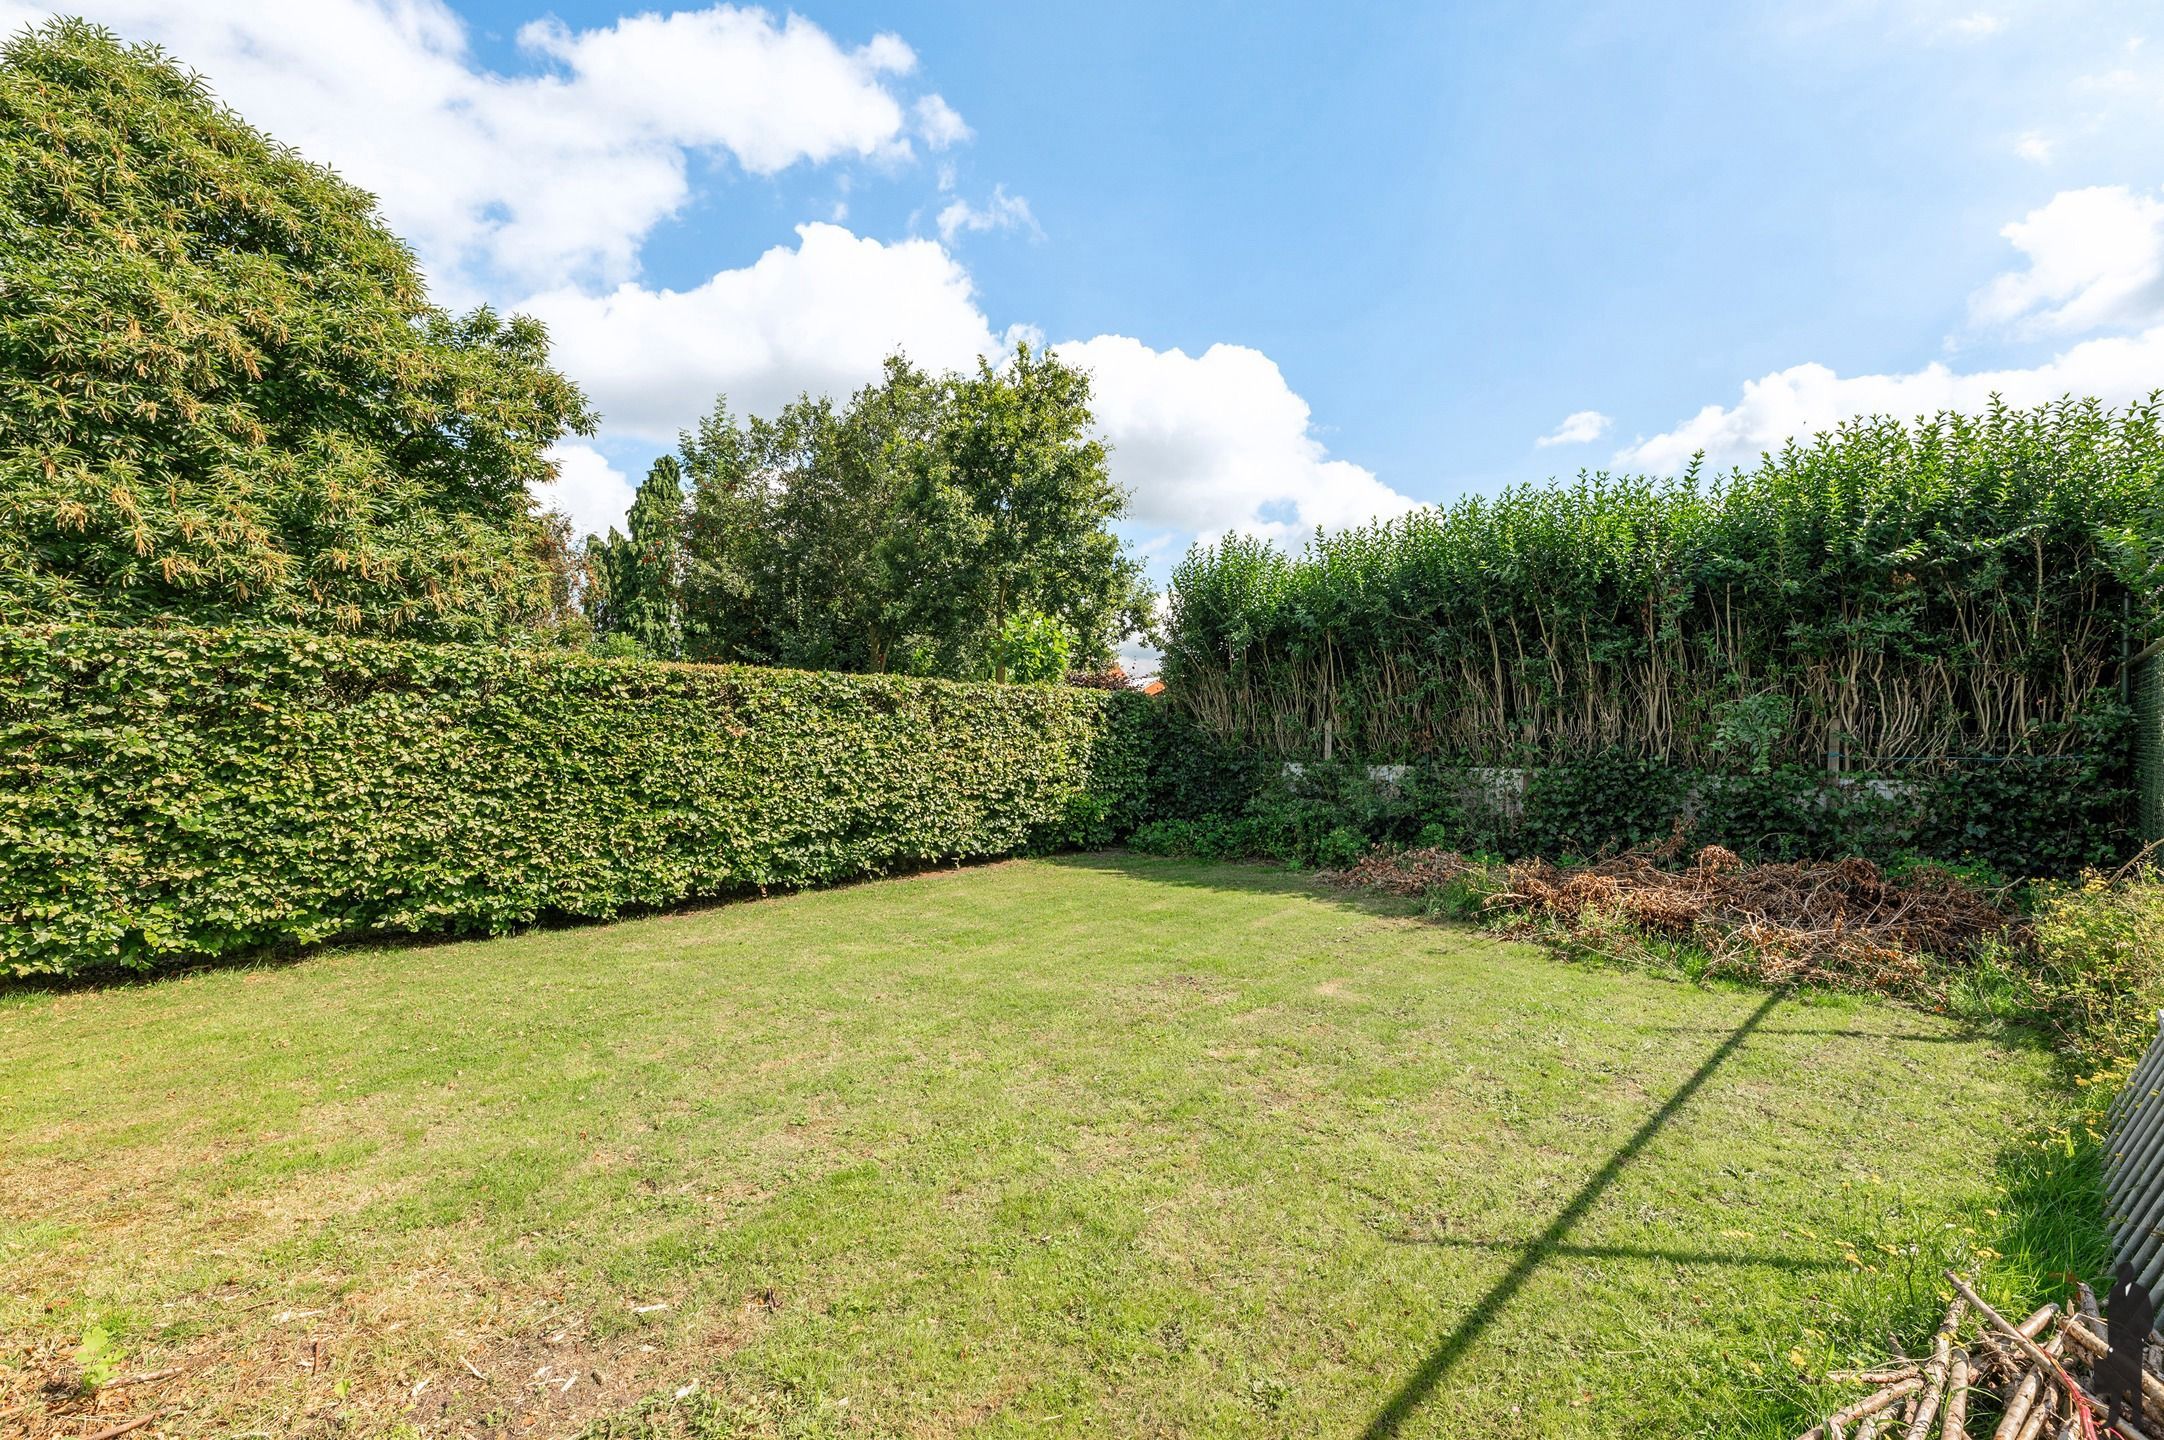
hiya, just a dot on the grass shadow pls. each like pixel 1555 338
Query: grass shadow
pixel 285 954
pixel 2048 1222
pixel 1723 1258
pixel 1250 877
pixel 1451 1348
pixel 1950 1026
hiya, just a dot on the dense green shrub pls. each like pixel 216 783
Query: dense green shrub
pixel 2099 964
pixel 2034 816
pixel 167 794
pixel 1893 594
pixel 1194 774
pixel 2038 815
pixel 1793 812
pixel 1894 638
pixel 1213 838
pixel 1607 801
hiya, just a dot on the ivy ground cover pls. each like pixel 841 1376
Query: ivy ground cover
pixel 1083 1146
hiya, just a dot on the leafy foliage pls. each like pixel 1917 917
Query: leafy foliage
pixel 903 532
pixel 2099 962
pixel 1886 594
pixel 224 395
pixel 1032 648
pixel 1007 512
pixel 634 579
pixel 2034 816
pixel 1194 774
pixel 183 793
pixel 790 522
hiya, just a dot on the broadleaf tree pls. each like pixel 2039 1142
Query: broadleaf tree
pixel 907 529
pixel 1009 510
pixel 224 394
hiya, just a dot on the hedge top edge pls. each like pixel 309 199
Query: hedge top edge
pixel 1954 586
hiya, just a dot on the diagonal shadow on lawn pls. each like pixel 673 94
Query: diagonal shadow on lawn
pixel 1966 1034
pixel 1727 1259
pixel 1549 1242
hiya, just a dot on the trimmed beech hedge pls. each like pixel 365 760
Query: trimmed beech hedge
pixel 178 794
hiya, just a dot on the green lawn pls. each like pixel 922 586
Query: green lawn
pixel 1088 1146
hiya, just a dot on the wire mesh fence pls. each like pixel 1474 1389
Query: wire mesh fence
pixel 2146 690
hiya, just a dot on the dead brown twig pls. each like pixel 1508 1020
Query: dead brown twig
pixel 2034 1377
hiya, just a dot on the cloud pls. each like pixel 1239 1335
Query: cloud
pixel 543 178
pixel 1206 443
pixel 1218 441
pixel 1001 212
pixel 1976 25
pixel 820 317
pixel 2095 262
pixel 538 190
pixel 728 79
pixel 594 493
pixel 2096 259
pixel 1577 428
pixel 2034 148
pixel 937 124
pixel 1805 399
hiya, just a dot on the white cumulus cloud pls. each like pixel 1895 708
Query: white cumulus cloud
pixel 2095 262
pixel 2096 259
pixel 1578 427
pixel 770 94
pixel 541 178
pixel 820 317
pixel 1805 399
pixel 1001 212
pixel 588 489
pixel 1218 441
pixel 937 123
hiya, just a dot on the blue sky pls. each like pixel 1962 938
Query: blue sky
pixel 1421 237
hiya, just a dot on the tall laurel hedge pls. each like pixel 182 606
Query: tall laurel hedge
pixel 172 794
pixel 1882 595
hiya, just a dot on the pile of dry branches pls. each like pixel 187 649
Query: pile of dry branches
pixel 2036 1377
pixel 1404 872
pixel 1827 922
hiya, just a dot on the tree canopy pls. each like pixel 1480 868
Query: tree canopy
pixel 633 579
pixel 935 524
pixel 226 394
